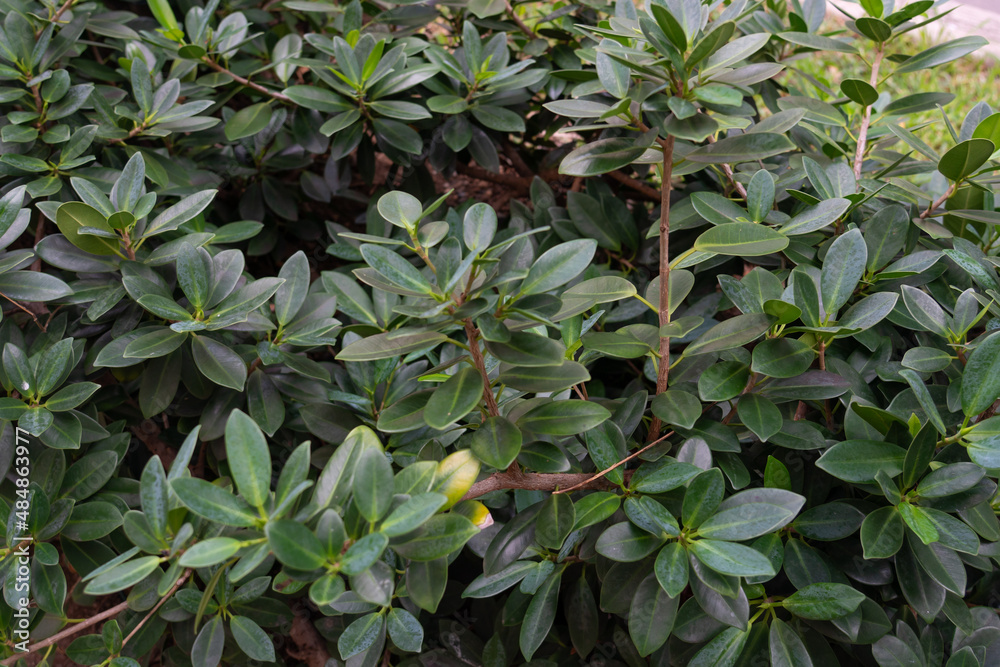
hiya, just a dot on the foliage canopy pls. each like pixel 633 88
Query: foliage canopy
pixel 716 386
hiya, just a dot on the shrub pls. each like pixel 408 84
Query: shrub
pixel 716 385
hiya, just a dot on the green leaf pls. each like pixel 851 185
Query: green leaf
pixel 395 269
pixel 210 552
pixel 72 216
pixel 782 357
pixel 732 333
pixel 966 158
pixel 702 497
pixel 163 13
pixel 401 209
pixel 392 344
pixel 745 239
pixel 785 647
pixel 917 520
pixel 745 522
pixel 360 635
pixel 413 513
pixel 732 559
pixel 760 195
pixel 558 266
pixel 251 639
pixel 249 458
pixel 759 415
pixel 677 408
pixel 248 121
pixel 372 484
pixel 823 602
pixel 860 460
pixel 454 399
pixel 874 29
pixel 540 614
pixel 651 616
pixel 479 227
pixel 739 148
pixel 602 156
pixel 405 631
pixel 859 91
pixel 843 267
pixel 566 417
pixel 496 442
pixel 941 54
pixel 816 217
pixel 594 508
pixel 154 494
pixel 981 378
pixel 555 521
pixel 295 545
pixel 213 503
pixel 122 576
pixel 218 362
pixel 440 536
pixel 882 533
pixel 625 542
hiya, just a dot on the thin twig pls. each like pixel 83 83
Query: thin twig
pixel 638 186
pixel 33 317
pixel 522 26
pixel 940 200
pixel 247 82
pixel 134 131
pixel 859 155
pixel 515 479
pixel 173 589
pixel 68 632
pixel 728 171
pixel 66 5
pixel 625 460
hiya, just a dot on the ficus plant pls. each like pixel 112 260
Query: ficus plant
pixel 492 334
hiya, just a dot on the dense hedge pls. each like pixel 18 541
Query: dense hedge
pixel 709 379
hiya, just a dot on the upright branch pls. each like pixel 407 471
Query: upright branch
pixel 477 358
pixel 521 25
pixel 859 155
pixel 663 367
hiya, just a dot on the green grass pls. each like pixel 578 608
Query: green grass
pixel 971 80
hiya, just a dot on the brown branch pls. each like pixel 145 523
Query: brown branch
pixel 34 318
pixel 536 482
pixel 522 26
pixel 640 187
pixel 310 647
pixel 728 171
pixel 66 5
pixel 859 155
pixel 134 131
pixel 940 200
pixel 173 589
pixel 246 82
pixel 68 632
pixel 625 460
pixel 517 161
pixel 484 175
pixel 663 366
pixel 477 358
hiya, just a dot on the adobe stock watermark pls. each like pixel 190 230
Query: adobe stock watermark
pixel 21 540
